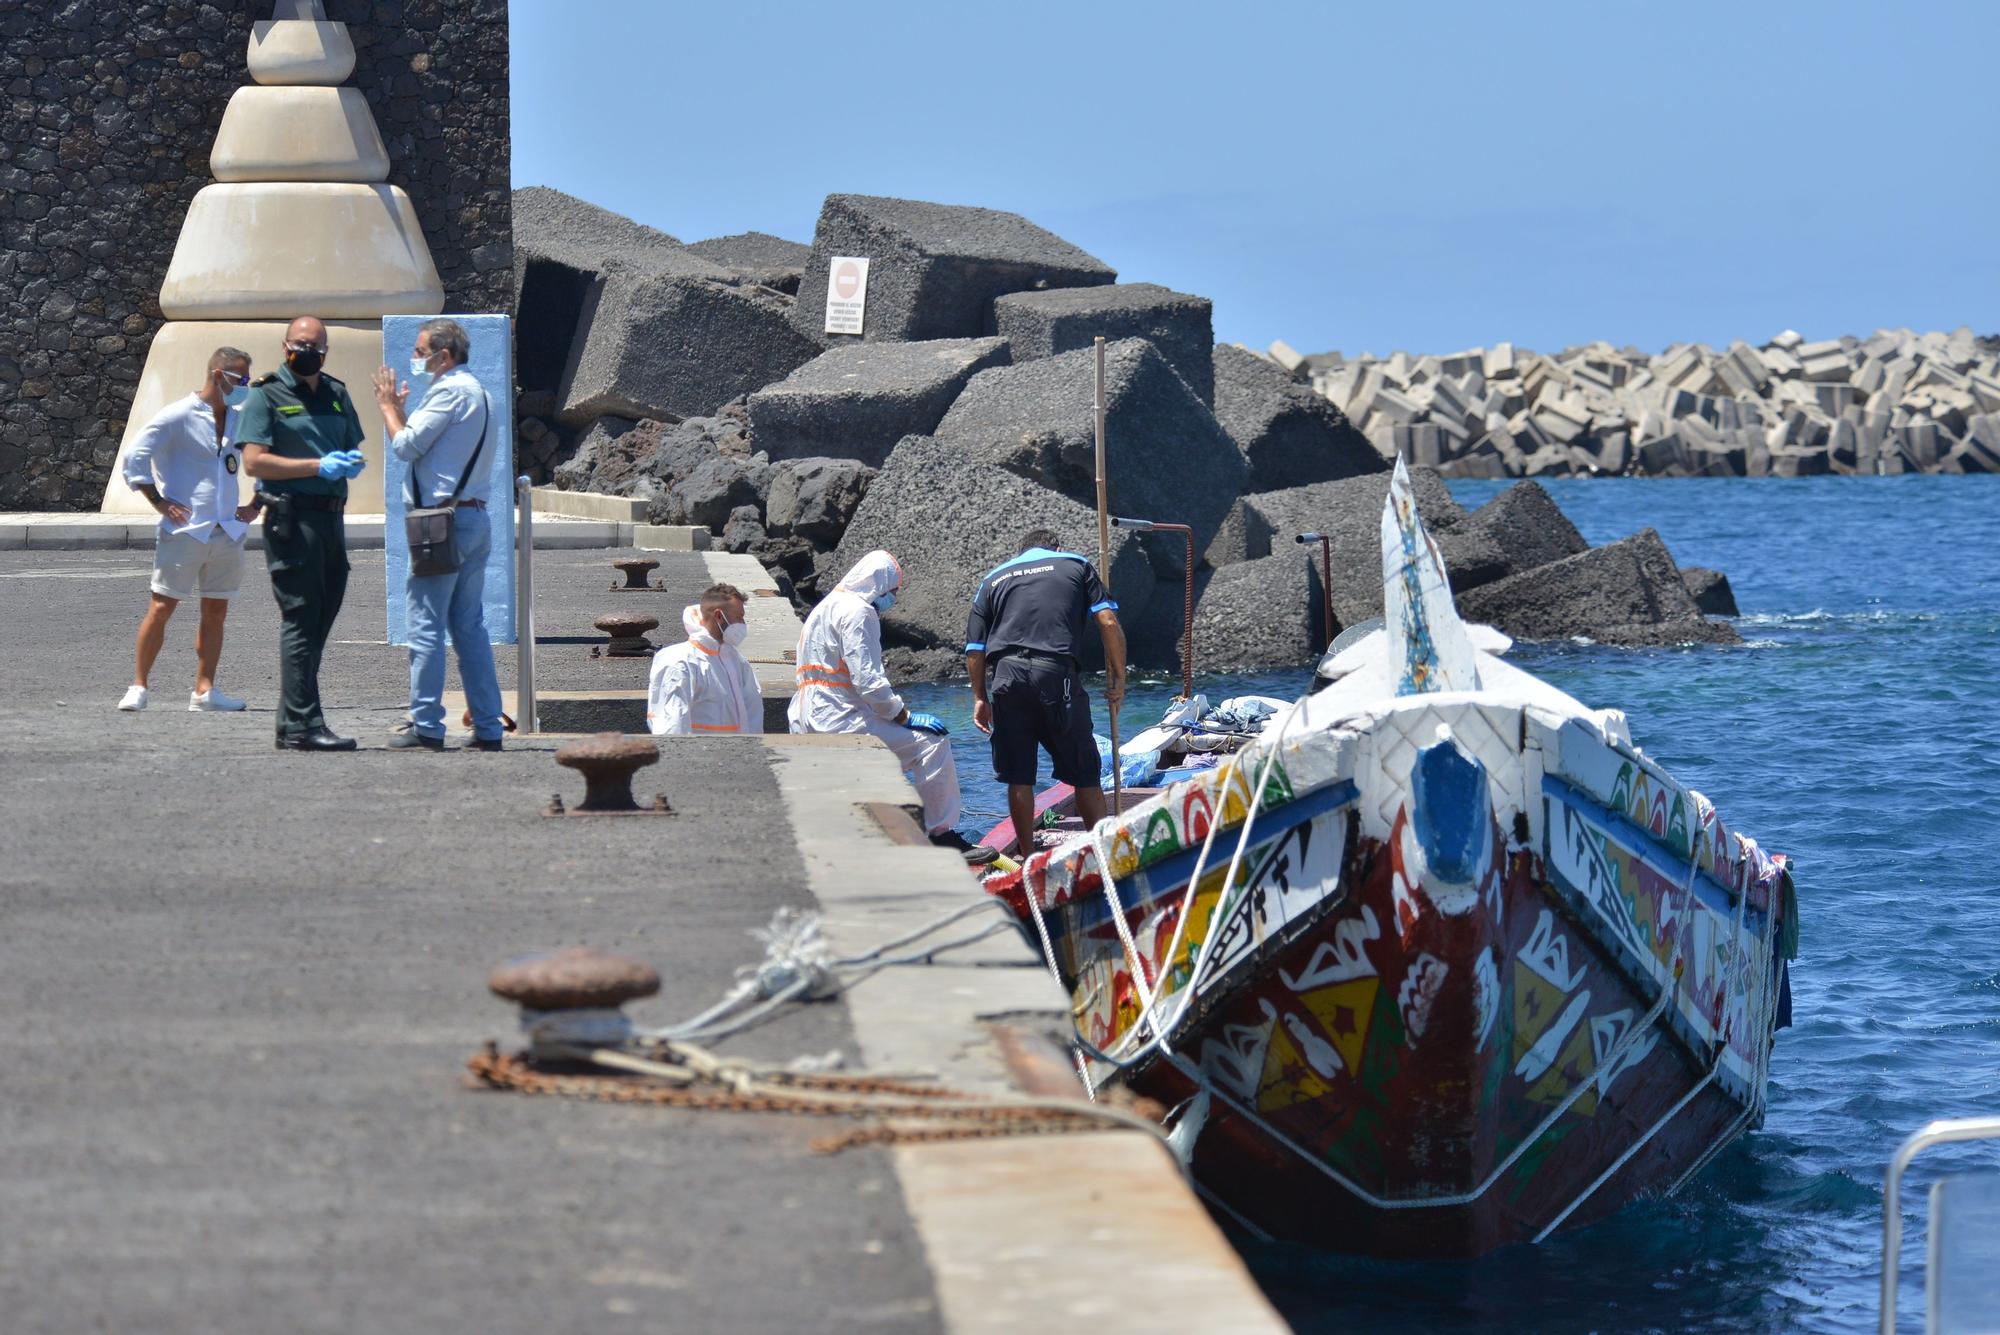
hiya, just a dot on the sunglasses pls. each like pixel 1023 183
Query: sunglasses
pixel 305 347
pixel 232 378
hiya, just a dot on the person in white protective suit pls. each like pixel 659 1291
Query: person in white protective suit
pixel 704 684
pixel 842 687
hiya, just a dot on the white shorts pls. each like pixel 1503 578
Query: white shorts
pixel 184 566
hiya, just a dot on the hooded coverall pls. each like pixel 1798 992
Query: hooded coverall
pixel 701 686
pixel 843 687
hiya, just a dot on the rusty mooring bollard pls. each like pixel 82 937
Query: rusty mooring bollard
pixel 607 763
pixel 573 978
pixel 570 998
pixel 636 568
pixel 628 633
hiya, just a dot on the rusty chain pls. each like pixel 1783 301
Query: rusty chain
pixel 875 1097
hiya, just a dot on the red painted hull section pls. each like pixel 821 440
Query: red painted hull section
pixel 1416 1075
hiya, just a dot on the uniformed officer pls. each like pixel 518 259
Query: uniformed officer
pixel 300 435
pixel 1027 621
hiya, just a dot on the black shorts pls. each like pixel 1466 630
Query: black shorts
pixel 1041 702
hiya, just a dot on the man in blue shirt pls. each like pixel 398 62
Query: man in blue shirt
pixel 445 442
pixel 1027 621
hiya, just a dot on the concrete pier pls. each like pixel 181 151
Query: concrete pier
pixel 245 983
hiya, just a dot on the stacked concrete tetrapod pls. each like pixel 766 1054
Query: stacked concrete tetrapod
pixel 299 222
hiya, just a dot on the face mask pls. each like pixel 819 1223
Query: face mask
pixel 883 602
pixel 420 367
pixel 304 361
pixel 235 397
pixel 735 633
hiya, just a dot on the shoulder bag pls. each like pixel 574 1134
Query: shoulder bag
pixel 433 545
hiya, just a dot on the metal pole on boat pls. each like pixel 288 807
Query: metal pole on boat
pixel 1325 579
pixel 1187 593
pixel 1104 567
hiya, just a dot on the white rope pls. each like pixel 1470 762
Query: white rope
pixel 1119 1058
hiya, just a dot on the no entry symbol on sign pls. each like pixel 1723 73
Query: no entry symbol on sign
pixel 846 294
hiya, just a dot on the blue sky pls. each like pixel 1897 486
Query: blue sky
pixel 1378 176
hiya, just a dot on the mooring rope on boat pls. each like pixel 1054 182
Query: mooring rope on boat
pixel 798 964
pixel 1149 1017
pixel 1720 1051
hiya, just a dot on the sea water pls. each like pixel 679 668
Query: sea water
pixel 1856 730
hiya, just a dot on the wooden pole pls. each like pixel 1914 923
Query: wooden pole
pixel 1104 570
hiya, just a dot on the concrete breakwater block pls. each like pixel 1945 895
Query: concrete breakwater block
pixel 1628 592
pixel 758 257
pixel 1261 614
pixel 1710 591
pixel 1179 326
pixel 562 248
pixel 1166 457
pixel 1527 526
pixel 1770 411
pixel 1350 509
pixel 934 269
pixel 856 401
pixel 1290 435
pixel 672 345
pixel 1350 512
pixel 621 319
pixel 815 498
pixel 948 521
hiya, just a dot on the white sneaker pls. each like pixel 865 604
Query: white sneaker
pixel 135 699
pixel 213 701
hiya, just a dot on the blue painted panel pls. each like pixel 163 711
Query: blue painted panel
pixel 1641 842
pixel 493 363
pixel 1171 873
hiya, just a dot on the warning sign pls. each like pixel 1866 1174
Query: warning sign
pixel 846 294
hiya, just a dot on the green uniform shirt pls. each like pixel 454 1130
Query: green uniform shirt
pixel 297 423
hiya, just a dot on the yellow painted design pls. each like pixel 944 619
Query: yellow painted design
pixel 1287 1079
pixel 1355 997
pixel 1577 1062
pixel 1124 853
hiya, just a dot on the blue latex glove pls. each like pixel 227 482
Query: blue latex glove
pixel 341 465
pixel 929 723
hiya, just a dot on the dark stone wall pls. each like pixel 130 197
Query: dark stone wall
pixel 109 111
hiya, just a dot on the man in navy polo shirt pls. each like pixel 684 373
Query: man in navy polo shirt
pixel 1027 621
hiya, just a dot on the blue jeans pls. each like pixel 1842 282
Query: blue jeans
pixel 454 602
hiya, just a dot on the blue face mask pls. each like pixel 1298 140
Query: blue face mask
pixel 419 367
pixel 235 397
pixel 884 601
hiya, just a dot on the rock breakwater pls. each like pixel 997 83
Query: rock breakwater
pixel 708 380
pixel 1895 402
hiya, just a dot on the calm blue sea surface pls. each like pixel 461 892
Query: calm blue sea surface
pixel 1857 731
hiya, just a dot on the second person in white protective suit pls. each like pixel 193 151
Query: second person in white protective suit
pixel 704 684
pixel 842 687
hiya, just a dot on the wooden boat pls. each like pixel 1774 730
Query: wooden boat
pixel 1441 962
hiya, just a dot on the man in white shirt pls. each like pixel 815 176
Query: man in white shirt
pixel 447 443
pixel 704 684
pixel 186 462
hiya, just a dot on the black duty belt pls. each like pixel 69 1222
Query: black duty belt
pixel 298 502
pixel 1040 655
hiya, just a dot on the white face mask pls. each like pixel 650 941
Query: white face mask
pixel 735 633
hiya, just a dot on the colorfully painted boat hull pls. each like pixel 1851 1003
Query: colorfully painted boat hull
pixel 1441 963
pixel 1438 1043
